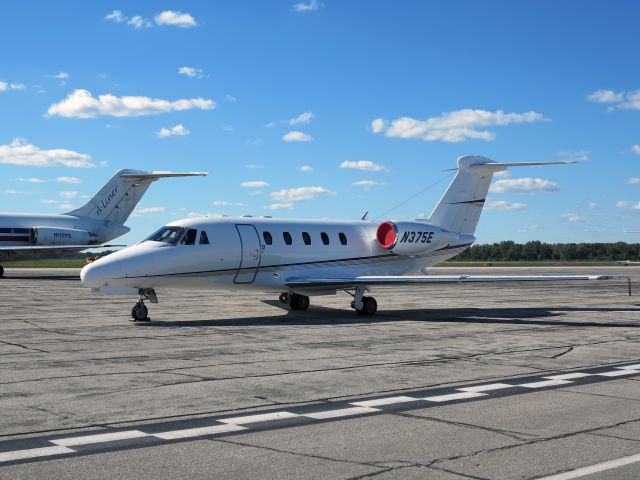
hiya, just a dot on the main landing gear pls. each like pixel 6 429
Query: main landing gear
pixel 295 301
pixel 139 312
pixel 362 304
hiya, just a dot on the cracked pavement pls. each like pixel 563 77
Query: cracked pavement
pixel 70 361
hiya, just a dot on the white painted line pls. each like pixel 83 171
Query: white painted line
pixel 454 396
pixel 618 373
pixel 197 432
pixel 485 388
pixel 384 401
pixel 263 417
pixel 568 376
pixel 342 412
pixel 99 438
pixel 33 453
pixel 545 383
pixel 598 467
pixel 631 367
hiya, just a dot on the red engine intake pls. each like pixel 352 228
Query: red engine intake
pixel 387 235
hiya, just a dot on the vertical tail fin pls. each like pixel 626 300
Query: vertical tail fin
pixel 115 201
pixel 460 207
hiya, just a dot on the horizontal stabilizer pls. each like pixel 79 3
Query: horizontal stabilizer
pixel 299 282
pixel 502 166
pixel 156 175
pixel 69 248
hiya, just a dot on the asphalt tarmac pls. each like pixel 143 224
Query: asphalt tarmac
pixel 445 382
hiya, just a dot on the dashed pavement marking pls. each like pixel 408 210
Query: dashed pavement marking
pixel 44 447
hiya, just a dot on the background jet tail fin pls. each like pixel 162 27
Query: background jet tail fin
pixel 115 201
pixel 460 207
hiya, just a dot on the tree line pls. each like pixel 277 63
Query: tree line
pixel 536 250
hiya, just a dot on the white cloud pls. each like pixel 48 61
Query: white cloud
pixel 636 149
pixel 19 152
pixel 65 205
pixel 190 72
pixel 175 131
pixel 578 156
pixel 502 206
pixel 308 6
pixel 227 128
pixel 82 104
pixel 378 125
pixel 295 136
pixel 4 86
pixel 622 204
pixel 454 126
pixel 632 181
pixel 636 206
pixel 116 16
pixel 68 194
pixel 138 22
pixel 621 100
pixel 253 166
pixel 139 211
pixel 592 205
pixel 279 206
pixel 306 168
pixel 299 194
pixel 254 184
pixel 305 118
pixel 362 165
pixel 176 19
pixel 573 217
pixel 230 98
pixel 524 185
pixel 32 180
pixel 69 180
pixel 12 191
pixel 605 96
pixel 224 203
pixel 367 184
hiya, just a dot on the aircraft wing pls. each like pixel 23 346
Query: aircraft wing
pixel 346 282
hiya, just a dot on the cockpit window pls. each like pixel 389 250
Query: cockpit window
pixel 168 235
pixel 204 240
pixel 189 238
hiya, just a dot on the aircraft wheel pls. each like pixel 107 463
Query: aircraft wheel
pixel 284 298
pixel 139 312
pixel 1 271
pixel 369 307
pixel 298 302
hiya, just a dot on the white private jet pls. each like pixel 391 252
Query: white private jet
pixel 302 258
pixel 25 236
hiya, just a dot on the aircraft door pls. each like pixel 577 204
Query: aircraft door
pixel 251 250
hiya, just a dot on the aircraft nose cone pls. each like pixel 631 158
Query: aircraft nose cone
pixel 92 275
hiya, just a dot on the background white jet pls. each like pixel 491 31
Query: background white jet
pixel 301 258
pixel 25 236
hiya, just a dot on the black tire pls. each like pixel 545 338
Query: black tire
pixel 298 302
pixel 369 306
pixel 1 271
pixel 284 298
pixel 139 312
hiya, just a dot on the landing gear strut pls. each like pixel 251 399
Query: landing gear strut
pixel 362 304
pixel 139 312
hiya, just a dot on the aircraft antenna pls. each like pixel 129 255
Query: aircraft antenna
pixel 449 175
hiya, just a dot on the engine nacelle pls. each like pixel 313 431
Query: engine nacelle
pixel 60 236
pixel 412 238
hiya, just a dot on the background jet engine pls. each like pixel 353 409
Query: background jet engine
pixel 412 238
pixel 60 236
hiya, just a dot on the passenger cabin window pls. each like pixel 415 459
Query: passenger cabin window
pixel 268 239
pixel 343 238
pixel 189 238
pixel 306 238
pixel 325 238
pixel 287 238
pixel 168 235
pixel 204 240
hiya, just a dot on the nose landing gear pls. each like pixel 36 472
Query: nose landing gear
pixel 139 312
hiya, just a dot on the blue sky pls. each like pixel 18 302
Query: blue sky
pixel 285 93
